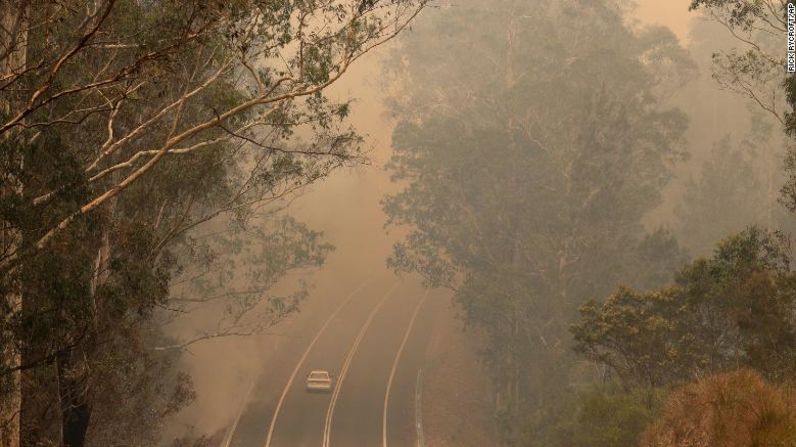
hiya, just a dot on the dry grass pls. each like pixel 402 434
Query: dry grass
pixel 737 409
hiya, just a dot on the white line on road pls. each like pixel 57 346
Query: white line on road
pixel 327 428
pixel 303 358
pixel 395 367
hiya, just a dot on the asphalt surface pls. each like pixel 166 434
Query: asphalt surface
pixel 371 338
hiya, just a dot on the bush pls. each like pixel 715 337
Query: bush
pixel 600 416
pixel 737 409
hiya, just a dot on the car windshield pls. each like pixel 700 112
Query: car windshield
pixel 319 375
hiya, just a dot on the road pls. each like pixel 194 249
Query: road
pixel 373 340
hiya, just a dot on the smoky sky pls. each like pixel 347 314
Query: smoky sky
pixel 670 13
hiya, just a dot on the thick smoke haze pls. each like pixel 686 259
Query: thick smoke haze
pixel 453 223
pixel 346 208
pixel 447 223
pixel 672 14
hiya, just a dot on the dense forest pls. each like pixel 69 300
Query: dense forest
pixel 533 153
pixel 611 208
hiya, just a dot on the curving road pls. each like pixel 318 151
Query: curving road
pixel 373 341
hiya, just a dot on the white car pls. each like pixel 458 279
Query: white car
pixel 319 380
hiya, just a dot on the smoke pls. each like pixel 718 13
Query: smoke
pixel 346 208
pixel 673 14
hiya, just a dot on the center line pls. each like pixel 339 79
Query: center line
pixel 304 357
pixel 327 429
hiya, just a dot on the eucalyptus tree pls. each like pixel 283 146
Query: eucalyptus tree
pixel 90 63
pixel 128 130
pixel 731 310
pixel 530 151
pixel 755 68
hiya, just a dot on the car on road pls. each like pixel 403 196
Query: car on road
pixel 319 380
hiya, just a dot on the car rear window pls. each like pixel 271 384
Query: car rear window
pixel 319 375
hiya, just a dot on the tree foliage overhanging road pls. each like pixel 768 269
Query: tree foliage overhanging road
pixel 146 146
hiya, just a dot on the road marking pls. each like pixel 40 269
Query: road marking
pixel 421 441
pixel 304 357
pixel 327 428
pixel 395 367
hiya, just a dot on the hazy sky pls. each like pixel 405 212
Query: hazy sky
pixel 671 13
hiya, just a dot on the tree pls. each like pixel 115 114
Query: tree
pixel 14 52
pixel 528 166
pixel 735 309
pixel 639 336
pixel 755 69
pixel 136 128
pixel 276 57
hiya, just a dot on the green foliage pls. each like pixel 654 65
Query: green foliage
pixel 790 116
pixel 638 335
pixel 609 420
pixel 602 415
pixel 733 309
pixel 753 69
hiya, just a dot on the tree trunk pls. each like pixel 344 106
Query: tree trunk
pixel 72 368
pixel 73 391
pixel 13 38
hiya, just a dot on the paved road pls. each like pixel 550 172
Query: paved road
pixel 372 339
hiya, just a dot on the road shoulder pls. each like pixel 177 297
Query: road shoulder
pixel 456 391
